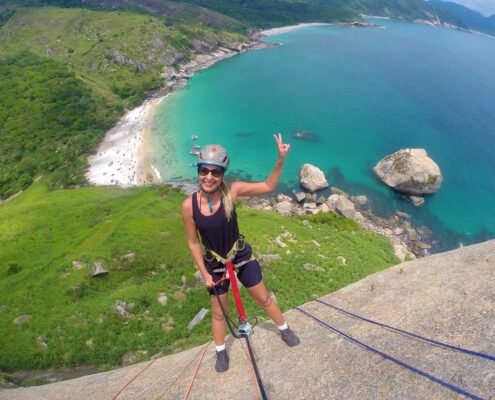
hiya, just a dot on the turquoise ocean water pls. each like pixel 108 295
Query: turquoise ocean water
pixel 363 93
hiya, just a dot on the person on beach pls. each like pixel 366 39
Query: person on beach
pixel 210 222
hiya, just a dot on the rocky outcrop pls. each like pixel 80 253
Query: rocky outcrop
pixel 410 171
pixel 122 59
pixel 177 72
pixel 408 242
pixel 312 178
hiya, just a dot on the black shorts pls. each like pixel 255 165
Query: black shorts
pixel 249 274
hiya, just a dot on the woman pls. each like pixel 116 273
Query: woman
pixel 210 212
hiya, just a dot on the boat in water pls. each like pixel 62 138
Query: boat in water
pixel 196 146
pixel 194 152
pixel 194 137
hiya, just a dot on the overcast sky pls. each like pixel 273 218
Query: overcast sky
pixel 485 7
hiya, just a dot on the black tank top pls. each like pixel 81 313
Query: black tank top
pixel 216 232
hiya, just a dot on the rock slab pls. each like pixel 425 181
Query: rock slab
pixel 448 297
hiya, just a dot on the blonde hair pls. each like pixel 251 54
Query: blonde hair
pixel 228 204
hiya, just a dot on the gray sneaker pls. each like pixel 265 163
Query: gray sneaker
pixel 289 337
pixel 222 363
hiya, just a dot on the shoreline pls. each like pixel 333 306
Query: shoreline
pixel 289 28
pixel 124 156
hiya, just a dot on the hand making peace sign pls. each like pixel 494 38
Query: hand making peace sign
pixel 283 149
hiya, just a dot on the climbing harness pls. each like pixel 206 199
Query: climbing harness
pixel 244 328
pixel 239 245
pixel 393 359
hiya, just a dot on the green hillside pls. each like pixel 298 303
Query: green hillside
pixel 68 74
pixel 118 54
pixel 174 12
pixel 138 234
pixel 49 122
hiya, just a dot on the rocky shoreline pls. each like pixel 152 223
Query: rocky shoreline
pixel 177 75
pixel 408 242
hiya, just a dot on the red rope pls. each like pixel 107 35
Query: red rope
pixel 235 290
pixel 135 376
pixel 163 393
pixel 196 372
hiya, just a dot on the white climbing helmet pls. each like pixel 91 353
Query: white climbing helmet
pixel 213 154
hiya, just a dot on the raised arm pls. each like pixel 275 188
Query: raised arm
pixel 270 184
pixel 193 240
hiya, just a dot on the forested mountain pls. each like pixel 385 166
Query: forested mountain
pixel 266 13
pixel 467 17
pixel 257 13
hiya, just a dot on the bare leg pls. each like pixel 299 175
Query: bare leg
pixel 218 319
pixel 263 299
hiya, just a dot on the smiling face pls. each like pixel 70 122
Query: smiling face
pixel 210 177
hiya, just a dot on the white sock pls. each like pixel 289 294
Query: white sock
pixel 221 347
pixel 283 327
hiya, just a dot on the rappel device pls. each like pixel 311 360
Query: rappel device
pixel 245 328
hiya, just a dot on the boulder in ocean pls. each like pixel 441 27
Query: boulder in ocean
pixel 312 178
pixel 305 135
pixel 410 171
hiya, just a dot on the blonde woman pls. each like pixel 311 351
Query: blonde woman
pixel 210 221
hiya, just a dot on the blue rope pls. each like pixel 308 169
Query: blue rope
pixel 395 360
pixel 448 346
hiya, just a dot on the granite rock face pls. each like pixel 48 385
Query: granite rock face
pixel 410 171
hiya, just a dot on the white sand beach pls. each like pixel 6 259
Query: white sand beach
pixel 289 28
pixel 123 158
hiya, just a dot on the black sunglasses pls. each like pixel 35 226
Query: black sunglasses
pixel 216 172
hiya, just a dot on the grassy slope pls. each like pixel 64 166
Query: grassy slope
pixel 42 232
